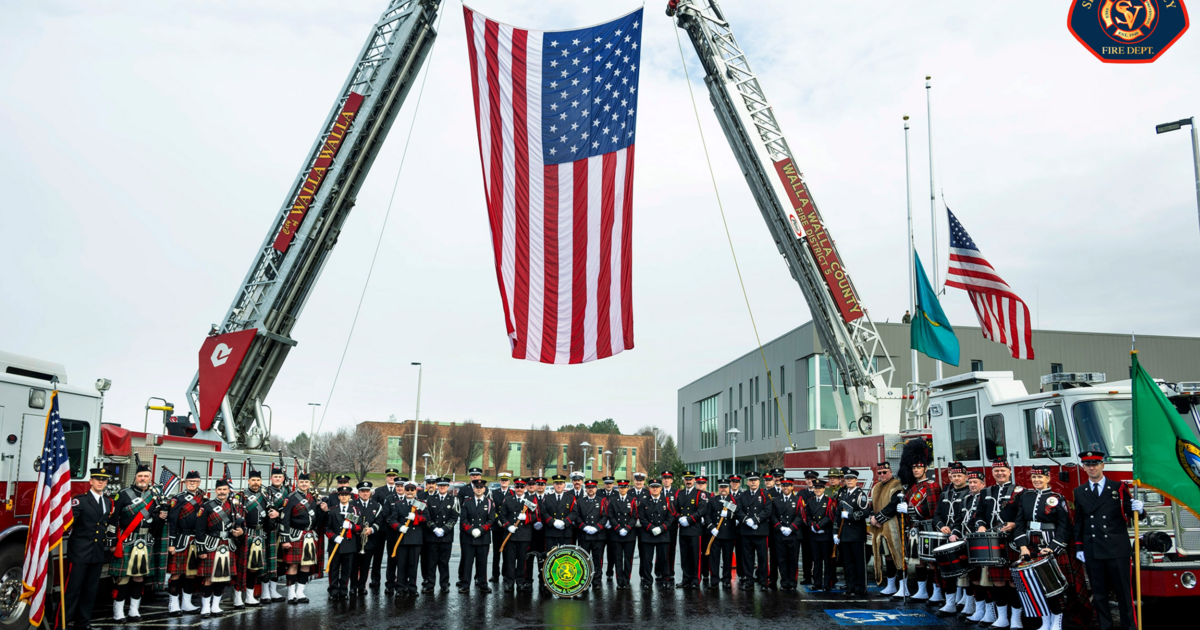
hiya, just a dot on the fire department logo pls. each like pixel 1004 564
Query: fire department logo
pixel 1189 459
pixel 1052 501
pixel 1127 31
pixel 567 571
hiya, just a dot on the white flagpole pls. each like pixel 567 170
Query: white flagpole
pixel 933 216
pixel 912 270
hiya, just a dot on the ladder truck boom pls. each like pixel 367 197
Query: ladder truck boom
pixel 846 332
pixel 306 227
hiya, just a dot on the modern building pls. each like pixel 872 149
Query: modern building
pixel 790 401
pixel 626 454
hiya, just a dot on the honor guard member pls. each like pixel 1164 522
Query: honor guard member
pixel 518 518
pixel 707 578
pixel 998 513
pixel 407 519
pixel 477 515
pixel 949 521
pixel 788 525
pixel 754 517
pixel 669 493
pixel 250 557
pixel 623 532
pixel 537 488
pixel 299 539
pixel 387 496
pixel 922 496
pixel 592 511
pixel 979 593
pixel 805 493
pixel 722 509
pixel 441 517
pixel 430 487
pixel 343 528
pixel 1103 509
pixel 853 510
pixel 576 491
pixel 833 483
pixel 654 515
pixel 216 527
pixel 373 536
pixel 639 489
pixel 819 512
pixel 771 485
pixel 88 548
pixel 182 563
pixel 332 499
pixel 1042 530
pixel 138 507
pixel 558 514
pixel 886 493
pixel 467 490
pixel 498 495
pixel 276 495
pixel 691 513
pixel 607 492
pixel 735 485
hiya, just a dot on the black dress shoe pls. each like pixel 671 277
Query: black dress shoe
pixel 494 578
pixel 484 588
pixel 427 589
pixel 374 586
pixel 806 582
pixel 464 590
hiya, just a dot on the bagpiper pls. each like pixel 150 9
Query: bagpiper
pixel 477 516
pixel 274 496
pixel 623 528
pixel 1103 509
pixel 138 509
pixel 182 561
pixel 252 548
pixel 343 526
pixel 216 527
pixel 87 550
pixel 301 553
pixel 373 537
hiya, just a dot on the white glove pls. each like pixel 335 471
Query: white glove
pixel 521 517
pixel 724 513
pixel 347 525
pixel 683 521
pixel 439 532
pixel 1079 556
pixel 787 531
pixel 403 529
pixel 338 540
pixel 512 529
pixel 624 532
pixel 476 533
pixel 590 529
pixel 837 540
pixel 715 531
pixel 410 516
pixel 902 507
pixel 656 531
pixel 558 524
pixel 1137 505
pixel 845 514
pixel 537 525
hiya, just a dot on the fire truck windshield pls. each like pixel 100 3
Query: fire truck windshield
pixel 1105 425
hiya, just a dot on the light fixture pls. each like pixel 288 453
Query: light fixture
pixel 37 398
pixel 103 385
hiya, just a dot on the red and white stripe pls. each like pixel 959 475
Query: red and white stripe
pixel 51 516
pixel 1003 316
pixel 561 233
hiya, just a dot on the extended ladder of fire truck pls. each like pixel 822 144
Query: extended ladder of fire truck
pixel 846 332
pixel 305 229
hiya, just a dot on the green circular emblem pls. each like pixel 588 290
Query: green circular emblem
pixel 567 571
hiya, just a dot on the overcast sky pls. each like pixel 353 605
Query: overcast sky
pixel 147 147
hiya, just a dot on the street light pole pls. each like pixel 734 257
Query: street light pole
pixel 1191 122
pixel 312 427
pixel 585 446
pixel 417 421
pixel 733 433
pixel 608 462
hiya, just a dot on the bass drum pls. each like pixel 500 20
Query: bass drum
pixel 567 571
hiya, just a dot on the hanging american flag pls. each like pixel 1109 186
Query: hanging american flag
pixel 227 476
pixel 1002 315
pixel 555 114
pixel 51 514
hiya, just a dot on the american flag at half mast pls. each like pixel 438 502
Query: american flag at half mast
pixel 556 119
pixel 1003 316
pixel 51 514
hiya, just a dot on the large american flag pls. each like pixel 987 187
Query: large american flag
pixel 555 114
pixel 1003 316
pixel 51 514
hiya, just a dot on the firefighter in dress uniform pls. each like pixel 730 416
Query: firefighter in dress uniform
pixel 372 536
pixel 519 518
pixel 274 497
pixel 754 523
pixel 706 577
pixel 788 527
pixel 477 517
pixel 623 531
pixel 771 485
pixel 669 492
pixel 407 519
pixel 466 491
pixel 1043 529
pixel 998 513
pixel 949 521
pixel 654 515
pixel 558 516
pixel 441 517
pixel 300 549
pixel 251 548
pixel 819 513
pixel 387 495
pixel 805 492
pixel 854 507
pixel 607 493
pixel 498 495
pixel 181 528
pixel 723 510
pixel 537 543
pixel 343 528
pixel 691 514
pixel 90 537
pixel 216 527
pixel 138 509
pixel 591 509
pixel 1103 509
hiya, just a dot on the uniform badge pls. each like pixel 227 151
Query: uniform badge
pixel 1052 501
pixel 74 502
pixel 1127 31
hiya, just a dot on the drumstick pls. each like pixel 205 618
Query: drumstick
pixel 524 508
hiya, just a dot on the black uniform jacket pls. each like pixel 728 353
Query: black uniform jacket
pixel 757 506
pixel 692 503
pixel 1102 522
pixel 477 513
pixel 90 528
pixel 654 513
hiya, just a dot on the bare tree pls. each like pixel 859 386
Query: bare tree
pixel 326 459
pixel 770 461
pixel 430 438
pixel 364 452
pixel 539 448
pixel 499 450
pixel 574 450
pixel 464 442
pixel 276 443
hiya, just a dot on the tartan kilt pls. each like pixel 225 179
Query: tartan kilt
pixel 239 562
pixel 158 563
pixel 207 564
pixel 177 563
pixel 295 554
pixel 1002 576
pixel 157 550
pixel 1077 604
pixel 270 553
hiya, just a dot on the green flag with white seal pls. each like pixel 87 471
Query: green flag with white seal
pixel 1166 457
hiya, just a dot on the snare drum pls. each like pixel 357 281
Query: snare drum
pixel 951 559
pixel 1036 581
pixel 927 542
pixel 986 549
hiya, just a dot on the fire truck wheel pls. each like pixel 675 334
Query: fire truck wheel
pixel 12 609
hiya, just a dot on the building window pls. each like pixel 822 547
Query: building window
pixel 622 453
pixel 725 431
pixel 766 425
pixel 824 383
pixel 740 403
pixel 993 436
pixel 394 457
pixel 708 422
pixel 514 457
pixel 976 365
pixel 791 428
pixel 750 423
pixel 964 429
pixel 682 428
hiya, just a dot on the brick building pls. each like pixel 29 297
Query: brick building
pixel 629 453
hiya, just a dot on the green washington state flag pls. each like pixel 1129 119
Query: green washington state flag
pixel 931 332
pixel 1165 455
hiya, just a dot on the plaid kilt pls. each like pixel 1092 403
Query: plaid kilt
pixel 157 549
pixel 1077 605
pixel 207 564
pixel 177 563
pixel 158 563
pixel 295 554
pixel 270 553
pixel 1002 576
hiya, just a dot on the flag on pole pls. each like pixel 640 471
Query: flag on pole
pixel 1166 457
pixel 931 332
pixel 555 115
pixel 168 481
pixel 1003 316
pixel 228 475
pixel 51 514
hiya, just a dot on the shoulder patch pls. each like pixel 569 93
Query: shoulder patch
pixel 1018 490
pixel 1052 501
pixel 75 502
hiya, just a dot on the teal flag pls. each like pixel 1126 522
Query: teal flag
pixel 931 331
pixel 1165 455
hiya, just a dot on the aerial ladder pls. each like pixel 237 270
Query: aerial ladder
pixel 306 227
pixel 847 335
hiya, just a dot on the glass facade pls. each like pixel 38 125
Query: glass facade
pixel 824 382
pixel 708 422
pixel 394 459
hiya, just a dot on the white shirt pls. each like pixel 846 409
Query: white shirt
pixel 99 498
pixel 1097 487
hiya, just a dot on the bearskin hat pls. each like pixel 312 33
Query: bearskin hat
pixel 916 451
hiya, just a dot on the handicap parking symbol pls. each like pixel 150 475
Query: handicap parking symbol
pixel 884 618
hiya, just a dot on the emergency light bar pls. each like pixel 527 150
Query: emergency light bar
pixel 1073 378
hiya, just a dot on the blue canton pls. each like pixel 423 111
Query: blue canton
pixel 959 239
